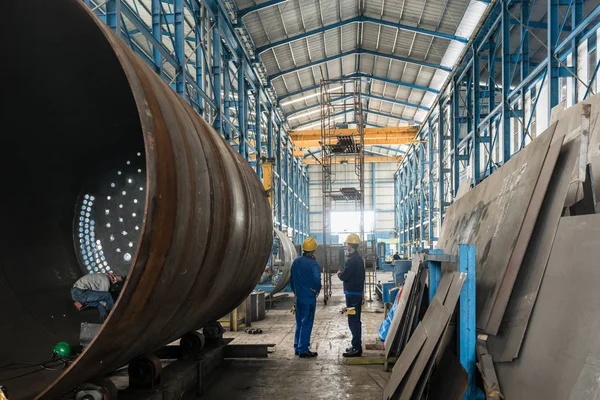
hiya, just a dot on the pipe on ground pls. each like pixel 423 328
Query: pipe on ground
pixel 85 116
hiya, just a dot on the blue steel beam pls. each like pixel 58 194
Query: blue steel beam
pixel 580 28
pixel 360 19
pixel 245 11
pixel 366 95
pixel 392 81
pixel 534 24
pixel 359 52
pixel 164 52
pixel 366 76
pixel 372 112
pixel 399 151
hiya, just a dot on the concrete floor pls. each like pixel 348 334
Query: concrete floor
pixel 285 376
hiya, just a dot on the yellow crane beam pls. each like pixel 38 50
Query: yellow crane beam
pixel 352 159
pixel 386 131
pixel 368 142
pixel 372 136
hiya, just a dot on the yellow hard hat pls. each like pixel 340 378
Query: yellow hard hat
pixel 310 244
pixel 353 238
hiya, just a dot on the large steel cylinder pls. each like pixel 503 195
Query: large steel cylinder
pixel 104 167
pixel 287 255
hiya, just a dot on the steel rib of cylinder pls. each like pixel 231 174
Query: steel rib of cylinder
pixel 289 255
pixel 206 232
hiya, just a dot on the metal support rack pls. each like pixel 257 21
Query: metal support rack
pixel 467 334
pixel 334 146
pixel 498 98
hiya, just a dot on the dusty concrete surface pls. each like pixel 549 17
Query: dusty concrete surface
pixel 285 376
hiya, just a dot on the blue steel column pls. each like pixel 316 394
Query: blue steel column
pixel 409 205
pixel 430 199
pixel 440 160
pixel 455 137
pixel 374 200
pixel 179 47
pixel 576 18
pixel 227 102
pixel 290 187
pixel 476 110
pixel 302 217
pixel 492 92
pixel 553 73
pixel 286 180
pixel 200 21
pixel 299 202
pixel 524 54
pixel 113 15
pixel 157 33
pixel 257 132
pixel 467 334
pixel 270 133
pixel 415 206
pixel 421 235
pixel 280 177
pixel 306 203
pixel 216 78
pixel 505 26
pixel 406 189
pixel 294 204
pixel 396 204
pixel 241 112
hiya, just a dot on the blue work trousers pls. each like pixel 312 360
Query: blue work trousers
pixel 354 322
pixel 92 298
pixel 305 317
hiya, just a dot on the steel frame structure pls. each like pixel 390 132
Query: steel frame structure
pixel 493 104
pixel 194 47
pixel 351 90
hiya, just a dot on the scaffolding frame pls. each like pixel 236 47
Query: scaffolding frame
pixel 334 146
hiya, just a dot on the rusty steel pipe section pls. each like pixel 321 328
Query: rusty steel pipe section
pixel 78 99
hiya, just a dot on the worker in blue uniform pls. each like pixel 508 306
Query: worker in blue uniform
pixel 353 276
pixel 305 282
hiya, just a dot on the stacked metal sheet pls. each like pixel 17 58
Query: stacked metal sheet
pixel 541 329
pixel 423 346
pixel 547 345
pixel 537 231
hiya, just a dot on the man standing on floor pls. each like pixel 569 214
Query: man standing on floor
pixel 353 277
pixel 305 281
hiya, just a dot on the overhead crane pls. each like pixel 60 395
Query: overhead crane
pixel 373 136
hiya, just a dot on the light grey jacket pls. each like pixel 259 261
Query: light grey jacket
pixel 97 282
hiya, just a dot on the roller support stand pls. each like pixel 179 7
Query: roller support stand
pixel 144 372
pixel 99 389
pixel 192 344
pixel 213 332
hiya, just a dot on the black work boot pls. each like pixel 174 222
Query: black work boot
pixel 353 353
pixel 308 354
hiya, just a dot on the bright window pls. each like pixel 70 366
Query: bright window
pixel 346 222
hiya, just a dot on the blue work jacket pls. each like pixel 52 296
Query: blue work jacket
pixel 305 277
pixel 353 275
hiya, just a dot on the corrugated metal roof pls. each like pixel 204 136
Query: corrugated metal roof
pixel 294 18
